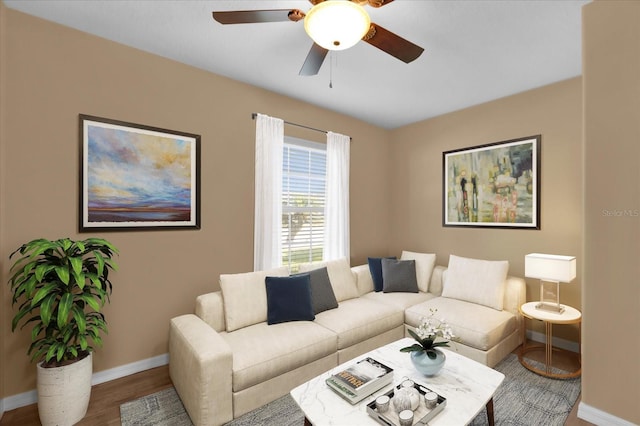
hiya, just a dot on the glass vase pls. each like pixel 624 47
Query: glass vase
pixel 426 365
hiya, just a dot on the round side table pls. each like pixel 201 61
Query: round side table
pixel 569 316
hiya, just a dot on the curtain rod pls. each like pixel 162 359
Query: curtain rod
pixel 255 114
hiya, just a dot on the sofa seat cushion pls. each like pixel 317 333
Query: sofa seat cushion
pixel 359 319
pixel 473 325
pixel 400 300
pixel 262 352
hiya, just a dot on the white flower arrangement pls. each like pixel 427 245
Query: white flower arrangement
pixel 427 332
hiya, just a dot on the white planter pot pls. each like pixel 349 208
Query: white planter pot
pixel 64 392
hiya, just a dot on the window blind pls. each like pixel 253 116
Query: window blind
pixel 303 197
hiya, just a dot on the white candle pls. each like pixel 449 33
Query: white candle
pixel 431 399
pixel 382 403
pixel 406 418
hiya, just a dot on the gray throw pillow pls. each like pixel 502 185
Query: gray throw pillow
pixel 399 276
pixel 322 296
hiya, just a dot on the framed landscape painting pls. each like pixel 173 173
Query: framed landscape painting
pixel 495 185
pixel 136 177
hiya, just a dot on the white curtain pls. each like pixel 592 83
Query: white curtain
pixel 336 210
pixel 268 190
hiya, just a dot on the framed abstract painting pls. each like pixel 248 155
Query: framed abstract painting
pixel 136 177
pixel 495 185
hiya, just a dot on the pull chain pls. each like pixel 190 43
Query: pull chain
pixel 331 70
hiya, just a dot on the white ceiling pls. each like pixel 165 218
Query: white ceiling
pixel 475 50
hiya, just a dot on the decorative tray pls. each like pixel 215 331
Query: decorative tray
pixel 421 415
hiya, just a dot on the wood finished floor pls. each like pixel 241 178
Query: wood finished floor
pixel 104 407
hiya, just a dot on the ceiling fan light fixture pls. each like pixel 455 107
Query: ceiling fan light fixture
pixel 337 24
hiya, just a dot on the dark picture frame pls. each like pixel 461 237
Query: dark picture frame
pixel 495 185
pixel 137 177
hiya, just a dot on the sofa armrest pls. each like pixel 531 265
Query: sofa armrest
pixel 210 308
pixel 515 294
pixel 200 364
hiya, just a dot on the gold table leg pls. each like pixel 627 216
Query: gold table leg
pixel 548 356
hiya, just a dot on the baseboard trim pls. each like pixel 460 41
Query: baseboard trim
pixel 31 397
pixel 599 417
pixel 20 400
pixel 129 369
pixel 556 341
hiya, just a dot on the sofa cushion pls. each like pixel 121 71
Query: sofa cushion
pixel 262 352
pixel 239 309
pixel 425 262
pixel 476 281
pixel 322 296
pixel 364 282
pixel 399 275
pixel 400 300
pixel 375 267
pixel 437 277
pixel 473 325
pixel 342 279
pixel 289 299
pixel 359 319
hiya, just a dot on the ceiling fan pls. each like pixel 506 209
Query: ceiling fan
pixel 332 25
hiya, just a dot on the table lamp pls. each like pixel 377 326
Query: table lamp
pixel 550 269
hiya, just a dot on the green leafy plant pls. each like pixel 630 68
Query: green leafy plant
pixel 427 332
pixel 60 287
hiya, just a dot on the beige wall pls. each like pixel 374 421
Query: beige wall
pixel 554 112
pixel 4 306
pixel 54 73
pixel 611 59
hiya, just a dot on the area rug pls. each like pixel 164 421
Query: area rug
pixel 162 408
pixel 523 399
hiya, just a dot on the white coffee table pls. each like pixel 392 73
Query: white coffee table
pixel 467 385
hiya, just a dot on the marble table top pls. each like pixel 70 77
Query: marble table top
pixel 569 316
pixel 466 384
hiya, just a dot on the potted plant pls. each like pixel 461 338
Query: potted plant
pixel 60 287
pixel 425 355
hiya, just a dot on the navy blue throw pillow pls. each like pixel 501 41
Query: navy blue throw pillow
pixel 289 299
pixel 375 267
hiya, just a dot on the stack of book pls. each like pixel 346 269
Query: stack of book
pixel 360 379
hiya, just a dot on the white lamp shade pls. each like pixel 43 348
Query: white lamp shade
pixel 550 267
pixel 336 24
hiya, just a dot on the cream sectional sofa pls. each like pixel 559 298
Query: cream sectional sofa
pixel 225 360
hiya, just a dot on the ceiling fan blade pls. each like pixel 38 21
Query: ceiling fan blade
pixel 393 44
pixel 253 16
pixel 314 60
pixel 378 3
pixel 372 3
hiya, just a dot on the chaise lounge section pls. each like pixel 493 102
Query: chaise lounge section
pixel 226 359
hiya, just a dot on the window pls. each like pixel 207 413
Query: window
pixel 303 196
